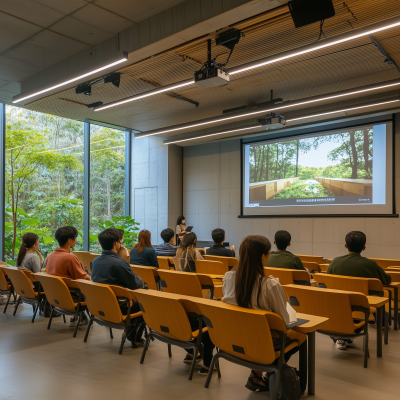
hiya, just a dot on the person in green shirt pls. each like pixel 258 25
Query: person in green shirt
pixel 281 258
pixel 353 264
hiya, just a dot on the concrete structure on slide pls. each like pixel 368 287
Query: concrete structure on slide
pixel 347 187
pixel 268 189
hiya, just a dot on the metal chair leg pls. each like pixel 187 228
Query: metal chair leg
pixel 195 351
pixel 276 388
pixel 145 347
pixel 124 335
pixel 16 305
pixel 8 300
pixel 210 371
pixel 366 351
pixel 77 322
pixel 88 329
pixel 51 316
pixel 111 334
pixel 386 337
pixel 64 318
pixel 169 351
pixel 34 313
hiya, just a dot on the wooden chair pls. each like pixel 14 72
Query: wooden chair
pixel 165 262
pixel 312 266
pixel 386 262
pixel 168 322
pixel 316 259
pixel 338 306
pixel 395 275
pixel 393 269
pixel 86 258
pixel 59 297
pixel 149 275
pixel 243 336
pixel 229 262
pixel 323 267
pixel 180 282
pixel 103 302
pixel 6 286
pixel 24 288
pixel 211 267
pixel 289 276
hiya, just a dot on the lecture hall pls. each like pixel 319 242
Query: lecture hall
pixel 199 199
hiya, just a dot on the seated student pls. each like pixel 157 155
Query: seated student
pixel 29 257
pixel 123 251
pixel 217 249
pixel 168 249
pixel 281 258
pixel 188 253
pixel 247 286
pixel 62 262
pixel 109 268
pixel 143 253
pixel 352 264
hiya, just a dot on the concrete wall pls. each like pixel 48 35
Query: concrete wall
pixel 211 199
pixel 156 191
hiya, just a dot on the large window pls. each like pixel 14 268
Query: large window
pixel 107 181
pixel 44 177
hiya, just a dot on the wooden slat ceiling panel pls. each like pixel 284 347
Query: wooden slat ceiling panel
pixel 341 67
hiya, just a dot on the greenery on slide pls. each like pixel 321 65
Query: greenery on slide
pixel 305 188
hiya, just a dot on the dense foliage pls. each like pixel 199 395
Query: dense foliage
pixel 44 179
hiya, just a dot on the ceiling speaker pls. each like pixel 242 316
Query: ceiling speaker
pixel 305 12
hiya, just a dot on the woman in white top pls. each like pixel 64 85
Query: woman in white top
pixel 29 257
pixel 247 286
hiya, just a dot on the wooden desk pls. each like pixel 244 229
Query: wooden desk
pixel 309 329
pixel 395 286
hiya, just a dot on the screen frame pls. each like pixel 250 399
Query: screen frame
pixel 280 134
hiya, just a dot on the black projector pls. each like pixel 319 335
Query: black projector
pixel 305 12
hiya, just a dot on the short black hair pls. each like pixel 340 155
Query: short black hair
pixel 355 241
pixel 218 235
pixel 108 237
pixel 282 239
pixel 167 235
pixel 121 233
pixel 66 232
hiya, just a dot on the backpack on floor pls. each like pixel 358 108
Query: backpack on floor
pixel 289 388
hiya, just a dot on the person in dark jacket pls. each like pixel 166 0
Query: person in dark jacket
pixel 143 253
pixel 218 249
pixel 109 268
pixel 168 249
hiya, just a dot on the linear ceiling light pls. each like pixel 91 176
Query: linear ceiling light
pixel 289 120
pixel 141 96
pixel 392 23
pixel 330 42
pixel 212 121
pixel 124 57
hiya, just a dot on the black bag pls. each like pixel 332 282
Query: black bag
pixel 289 388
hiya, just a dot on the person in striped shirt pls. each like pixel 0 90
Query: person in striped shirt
pixel 168 249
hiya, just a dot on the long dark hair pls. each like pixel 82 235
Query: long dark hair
pixel 250 271
pixel 144 240
pixel 180 219
pixel 28 240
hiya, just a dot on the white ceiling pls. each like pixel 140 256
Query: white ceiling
pixel 36 34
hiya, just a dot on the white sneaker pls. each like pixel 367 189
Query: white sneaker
pixel 341 344
pixel 3 300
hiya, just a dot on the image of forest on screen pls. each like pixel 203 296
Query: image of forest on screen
pixel 312 162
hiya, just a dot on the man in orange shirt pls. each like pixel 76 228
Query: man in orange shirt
pixel 62 262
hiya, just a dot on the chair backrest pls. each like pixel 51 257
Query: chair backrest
pixel 242 332
pixel 229 262
pixel 4 285
pixel 57 292
pixel 316 259
pixel 180 282
pixel 3 263
pixel 86 257
pixel 147 274
pixel 324 267
pixel 386 262
pixel 349 283
pixel 328 260
pixel 164 315
pixel 394 274
pixel 333 304
pixel 22 284
pixel 394 269
pixel 312 266
pixel 289 276
pixel 211 267
pixel 101 301
pixel 164 262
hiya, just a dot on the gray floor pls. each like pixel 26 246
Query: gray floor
pixel 37 363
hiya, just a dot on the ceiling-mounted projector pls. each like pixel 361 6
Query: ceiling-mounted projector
pixel 273 121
